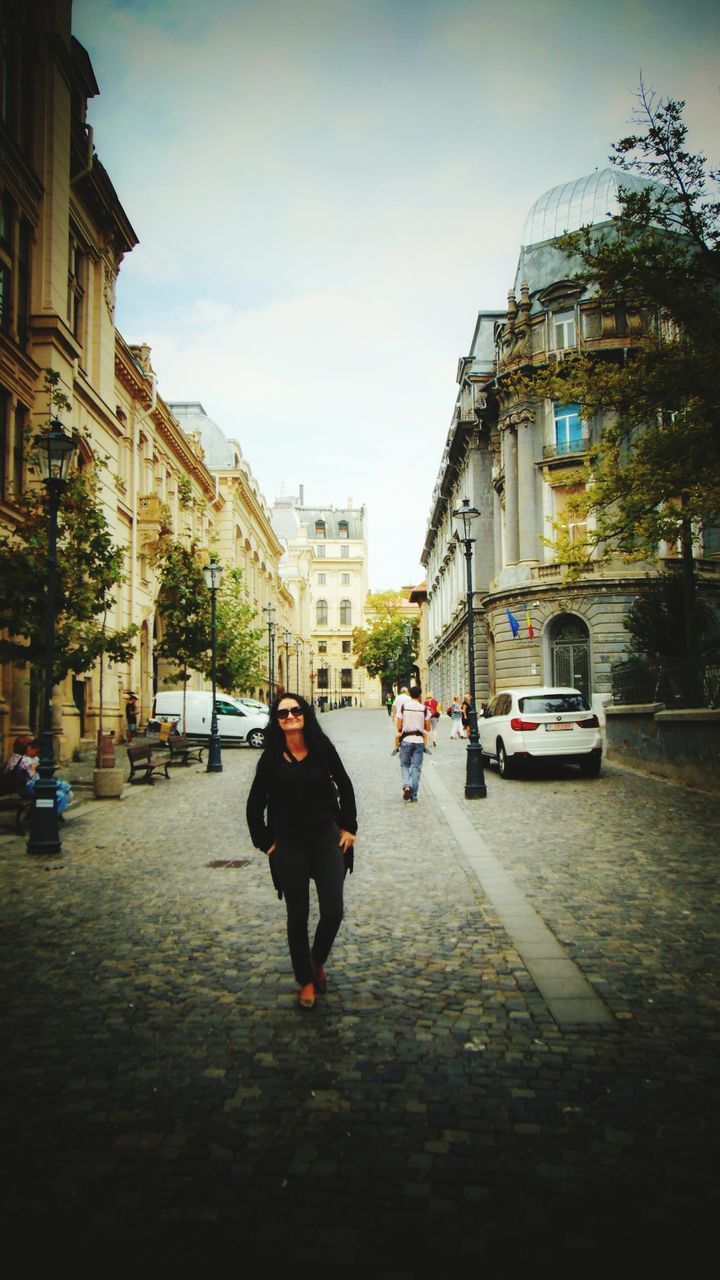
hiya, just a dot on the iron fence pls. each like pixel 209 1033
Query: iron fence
pixel 677 684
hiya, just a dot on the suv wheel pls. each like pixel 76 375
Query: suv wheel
pixel 505 765
pixel 256 738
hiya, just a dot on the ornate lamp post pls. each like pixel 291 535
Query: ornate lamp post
pixel 475 788
pixel 55 450
pixel 269 609
pixel 213 575
pixel 298 643
pixel 287 637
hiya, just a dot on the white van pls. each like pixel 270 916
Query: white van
pixel 236 722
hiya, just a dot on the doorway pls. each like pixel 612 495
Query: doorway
pixel 570 654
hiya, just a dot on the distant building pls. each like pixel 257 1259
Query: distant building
pixel 515 460
pixel 326 559
pixel 244 533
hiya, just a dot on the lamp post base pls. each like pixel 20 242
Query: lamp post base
pixel 475 787
pixel 214 764
pixel 44 838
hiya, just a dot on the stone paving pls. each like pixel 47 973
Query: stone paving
pixel 163 1097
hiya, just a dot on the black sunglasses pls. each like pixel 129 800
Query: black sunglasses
pixel 284 712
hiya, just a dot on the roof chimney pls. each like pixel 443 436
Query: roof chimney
pixel 302 494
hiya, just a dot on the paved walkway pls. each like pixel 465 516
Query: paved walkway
pixel 516 1060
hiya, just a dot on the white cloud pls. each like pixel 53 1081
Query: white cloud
pixel 327 193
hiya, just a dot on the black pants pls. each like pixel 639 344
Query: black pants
pixel 297 862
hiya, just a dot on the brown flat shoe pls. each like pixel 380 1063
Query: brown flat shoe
pixel 307 996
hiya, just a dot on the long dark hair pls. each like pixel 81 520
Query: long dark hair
pixel 315 739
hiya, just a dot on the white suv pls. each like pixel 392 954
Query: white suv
pixel 539 724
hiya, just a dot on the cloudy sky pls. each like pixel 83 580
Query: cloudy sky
pixel 326 192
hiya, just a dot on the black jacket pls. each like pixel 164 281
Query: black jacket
pixel 265 800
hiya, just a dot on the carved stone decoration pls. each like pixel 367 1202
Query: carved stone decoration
pixel 109 283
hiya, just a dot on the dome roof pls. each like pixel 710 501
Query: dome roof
pixel 218 452
pixel 576 204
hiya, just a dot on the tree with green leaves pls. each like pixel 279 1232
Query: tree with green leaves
pixel 388 646
pixel 654 474
pixel 89 572
pixel 240 646
pixel 184 606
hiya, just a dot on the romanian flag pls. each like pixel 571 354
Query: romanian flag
pixel 514 624
pixel 531 633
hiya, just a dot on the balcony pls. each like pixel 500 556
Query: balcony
pixel 570 449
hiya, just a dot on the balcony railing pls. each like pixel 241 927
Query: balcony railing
pixel 571 447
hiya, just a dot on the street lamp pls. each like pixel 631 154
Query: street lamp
pixel 269 609
pixel 298 643
pixel 55 449
pixel 287 637
pixel 475 788
pixel 213 575
pixel 408 652
pixel 312 676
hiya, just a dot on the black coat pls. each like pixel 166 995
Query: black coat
pixel 265 801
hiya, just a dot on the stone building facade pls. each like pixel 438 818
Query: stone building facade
pixel 244 536
pixel 517 461
pixel 327 549
pixel 63 236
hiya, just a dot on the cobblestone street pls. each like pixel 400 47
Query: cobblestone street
pixel 457 1097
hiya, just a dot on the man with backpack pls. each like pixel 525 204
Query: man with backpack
pixel 413 724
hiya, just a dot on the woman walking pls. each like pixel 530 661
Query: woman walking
pixel 301 813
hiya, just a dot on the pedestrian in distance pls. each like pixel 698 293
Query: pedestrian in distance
pixel 465 715
pixel 412 725
pixel 395 710
pixel 301 813
pixel 131 712
pixel 432 707
pixel 455 713
pixel 389 704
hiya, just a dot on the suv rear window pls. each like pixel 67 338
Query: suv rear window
pixel 553 702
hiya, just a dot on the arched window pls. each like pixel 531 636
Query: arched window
pixel 345 613
pixel 343 529
pixel 319 528
pixel 322 613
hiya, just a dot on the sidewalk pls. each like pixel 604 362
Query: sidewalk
pixel 162 1093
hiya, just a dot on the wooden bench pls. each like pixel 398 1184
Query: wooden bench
pixel 182 751
pixel 143 761
pixel 15 804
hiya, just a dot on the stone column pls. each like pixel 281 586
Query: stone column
pixel 526 482
pixel 510 464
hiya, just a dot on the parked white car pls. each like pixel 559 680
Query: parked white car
pixel 235 722
pixel 522 725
